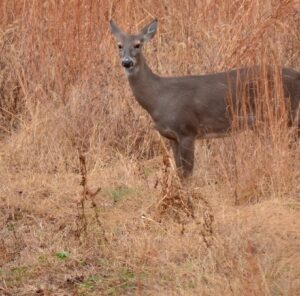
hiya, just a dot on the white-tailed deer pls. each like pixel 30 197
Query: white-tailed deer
pixel 190 107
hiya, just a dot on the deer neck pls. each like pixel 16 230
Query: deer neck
pixel 144 85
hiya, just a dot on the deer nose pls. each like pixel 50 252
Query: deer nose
pixel 127 63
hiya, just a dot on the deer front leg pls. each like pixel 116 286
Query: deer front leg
pixel 175 149
pixel 184 155
pixel 186 151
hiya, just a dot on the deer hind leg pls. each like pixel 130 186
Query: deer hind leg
pixel 295 124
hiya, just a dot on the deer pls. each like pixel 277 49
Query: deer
pixel 186 108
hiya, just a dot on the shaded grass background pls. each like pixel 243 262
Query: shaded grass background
pixel 62 92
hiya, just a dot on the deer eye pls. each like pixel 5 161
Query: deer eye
pixel 138 45
pixel 120 46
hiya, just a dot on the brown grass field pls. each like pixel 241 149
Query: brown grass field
pixel 89 201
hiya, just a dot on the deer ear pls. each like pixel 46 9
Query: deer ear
pixel 115 30
pixel 149 31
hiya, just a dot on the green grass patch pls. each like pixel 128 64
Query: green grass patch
pixel 89 284
pixel 15 275
pixel 62 255
pixel 117 193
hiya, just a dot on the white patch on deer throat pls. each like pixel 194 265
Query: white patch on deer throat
pixel 131 71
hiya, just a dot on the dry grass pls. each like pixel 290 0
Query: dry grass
pixel 69 126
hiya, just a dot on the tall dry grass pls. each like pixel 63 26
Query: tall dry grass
pixel 61 65
pixel 63 96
